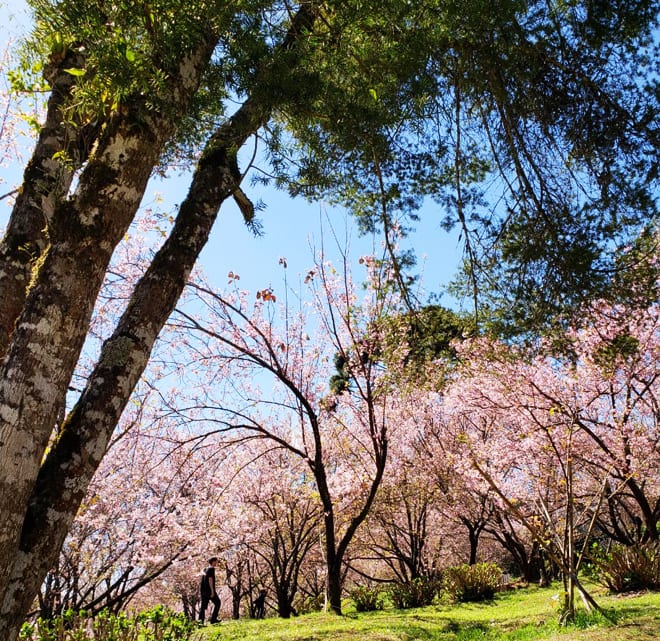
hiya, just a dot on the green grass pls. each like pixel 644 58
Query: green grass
pixel 527 614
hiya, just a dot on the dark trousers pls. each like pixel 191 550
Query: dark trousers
pixel 215 599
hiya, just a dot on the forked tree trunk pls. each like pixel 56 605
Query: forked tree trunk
pixel 38 500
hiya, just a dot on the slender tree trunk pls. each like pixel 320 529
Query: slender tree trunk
pixel 236 593
pixel 569 549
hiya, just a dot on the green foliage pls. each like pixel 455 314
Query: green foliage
pixel 341 381
pixel 620 348
pixel 132 49
pixel 158 624
pixel 557 160
pixel 479 582
pixel 165 625
pixel 367 598
pixel 414 594
pixel 428 334
pixel 310 604
pixel 637 270
pixel 624 569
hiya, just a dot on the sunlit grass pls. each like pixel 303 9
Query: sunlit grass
pixel 527 614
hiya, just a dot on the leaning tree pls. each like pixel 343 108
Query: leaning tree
pixel 378 104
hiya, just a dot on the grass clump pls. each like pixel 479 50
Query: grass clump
pixel 414 594
pixel 466 583
pixel 367 598
pixel 628 568
pixel 157 624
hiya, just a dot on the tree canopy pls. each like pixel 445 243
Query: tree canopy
pixel 531 125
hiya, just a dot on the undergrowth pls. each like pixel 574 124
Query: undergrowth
pixel 526 614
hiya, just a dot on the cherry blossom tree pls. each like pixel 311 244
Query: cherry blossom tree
pixel 517 459
pixel 240 569
pixel 284 521
pixel 616 407
pixel 342 438
pixel 404 527
pixel 525 550
pixel 471 510
pixel 147 525
pixel 404 532
pixel 570 428
pixel 464 505
pixel 133 525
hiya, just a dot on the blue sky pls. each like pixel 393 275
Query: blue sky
pixel 290 226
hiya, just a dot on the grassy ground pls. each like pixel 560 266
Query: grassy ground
pixel 527 614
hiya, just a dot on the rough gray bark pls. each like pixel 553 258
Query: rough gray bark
pixel 40 499
pixel 49 335
pixel 46 182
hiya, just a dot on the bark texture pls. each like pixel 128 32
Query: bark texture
pixel 39 496
pixel 47 341
pixel 46 181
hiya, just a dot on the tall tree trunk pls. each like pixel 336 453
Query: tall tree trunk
pixel 38 500
pixel 51 331
pixel 46 182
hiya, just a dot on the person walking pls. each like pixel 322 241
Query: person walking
pixel 208 592
pixel 260 605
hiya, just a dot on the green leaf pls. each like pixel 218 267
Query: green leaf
pixel 75 72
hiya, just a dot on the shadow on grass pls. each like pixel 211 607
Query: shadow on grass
pixel 466 631
pixel 448 631
pixel 525 616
